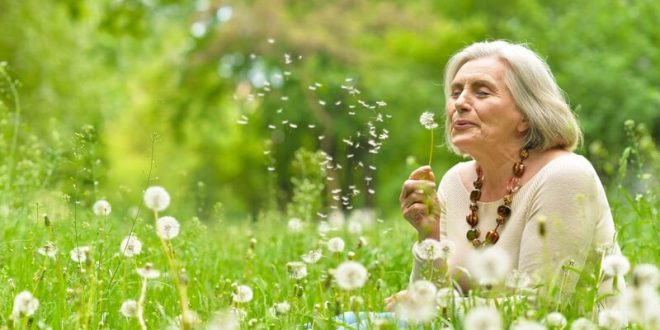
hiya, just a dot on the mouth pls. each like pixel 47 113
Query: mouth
pixel 462 124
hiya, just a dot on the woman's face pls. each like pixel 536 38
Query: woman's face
pixel 481 111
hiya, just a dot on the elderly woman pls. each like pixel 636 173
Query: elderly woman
pixel 524 191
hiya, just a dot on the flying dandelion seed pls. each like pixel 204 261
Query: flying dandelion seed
pixel 271 40
pixel 156 198
pixel 243 294
pixel 351 275
pixel 80 254
pixel 311 126
pixel 49 250
pixel 102 208
pixel 287 59
pixel 130 246
pixel 25 304
pixel 129 308
pixel 336 245
pixel 271 169
pixel 167 227
pixel 148 271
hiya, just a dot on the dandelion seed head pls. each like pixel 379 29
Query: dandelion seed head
pixel 312 257
pixel 128 308
pixel 555 320
pixel 148 271
pixel 49 250
pixel 167 227
pixel 611 319
pixel 297 270
pixel 483 318
pixel 102 208
pixel 156 198
pixel 80 254
pixel 527 325
pixel 422 291
pixel 243 294
pixel 225 320
pixel 583 324
pixel 646 275
pixel 336 244
pixel 350 275
pixel 490 265
pixel 336 218
pixel 25 304
pixel 324 228
pixel 427 120
pixel 295 225
pixel 639 304
pixel 615 265
pixel 130 246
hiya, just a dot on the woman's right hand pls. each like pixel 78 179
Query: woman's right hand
pixel 420 204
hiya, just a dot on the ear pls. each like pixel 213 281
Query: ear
pixel 523 125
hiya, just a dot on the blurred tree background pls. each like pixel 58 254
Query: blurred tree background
pixel 235 91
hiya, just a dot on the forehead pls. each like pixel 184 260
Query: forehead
pixel 485 68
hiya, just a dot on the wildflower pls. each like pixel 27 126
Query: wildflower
pixel 336 244
pixel 427 120
pixel 555 320
pixel 225 320
pixel 363 216
pixel 483 318
pixel 527 325
pixel 422 291
pixel 243 294
pixel 445 296
pixel 297 270
pixel 615 265
pixel 156 198
pixel 48 250
pixel 25 304
pixel 583 324
pixel 102 208
pixel 351 275
pixel 518 280
pixel 148 271
pixel 312 257
pixel 295 225
pixel 639 304
pixel 336 219
pixel 646 275
pixel 490 266
pixel 188 317
pixel 129 308
pixel 80 254
pixel 130 246
pixel 414 311
pixel 430 249
pixel 167 227
pixel 324 228
pixel 279 309
pixel 611 319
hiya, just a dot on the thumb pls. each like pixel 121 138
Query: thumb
pixel 423 173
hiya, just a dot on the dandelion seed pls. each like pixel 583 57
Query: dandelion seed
pixel 287 59
pixel 483 318
pixel 555 320
pixel 338 103
pixel 48 250
pixel 336 245
pixel 371 191
pixel 611 319
pixel 284 98
pixel 311 125
pixel 156 198
pixel 321 137
pixel 583 324
pixel 129 308
pixel 312 257
pixel 271 126
pixel 271 169
pixel 102 208
pixel 167 227
pixel 148 271
pixel 350 275
pixel 351 113
pixel 25 304
pixel 287 73
pixel 80 254
pixel 295 225
pixel 130 246
pixel 646 275
pixel 243 294
pixel 297 270
pixel 615 265
pixel 271 40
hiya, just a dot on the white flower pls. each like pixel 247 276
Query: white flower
pixel 156 198
pixel 427 120
pixel 483 318
pixel 418 304
pixel 446 296
pixel 324 228
pixel 167 227
pixel 129 308
pixel 130 246
pixel 243 294
pixel 25 304
pixel 428 249
pixel 527 325
pixel 102 208
pixel 336 220
pixel 336 244
pixel 422 291
pixel 583 324
pixel 312 257
pixel 646 275
pixel 490 266
pixel 518 280
pixel 555 320
pixel 615 265
pixel 639 304
pixel 148 271
pixel 80 254
pixel 297 270
pixel 295 225
pixel 48 250
pixel 279 309
pixel 363 216
pixel 611 319
pixel 350 275
pixel 225 320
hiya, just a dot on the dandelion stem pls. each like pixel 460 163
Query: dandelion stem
pixel 431 149
pixel 140 305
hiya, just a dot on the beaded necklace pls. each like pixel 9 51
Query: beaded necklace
pixel 503 211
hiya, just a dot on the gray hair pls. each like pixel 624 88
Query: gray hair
pixel 535 92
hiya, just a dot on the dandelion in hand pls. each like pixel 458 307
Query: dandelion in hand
pixel 428 121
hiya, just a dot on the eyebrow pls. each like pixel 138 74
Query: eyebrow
pixel 476 82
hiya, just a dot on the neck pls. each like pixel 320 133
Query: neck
pixel 497 167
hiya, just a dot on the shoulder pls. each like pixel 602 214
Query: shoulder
pixel 567 172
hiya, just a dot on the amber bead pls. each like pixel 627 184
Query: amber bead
pixel 473 234
pixel 524 154
pixel 518 169
pixel 508 199
pixel 504 211
pixel 512 184
pixel 475 195
pixel 500 220
pixel 478 183
pixel 476 243
pixel 474 206
pixel 472 219
pixel 492 237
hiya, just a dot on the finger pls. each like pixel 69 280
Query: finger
pixel 423 173
pixel 419 186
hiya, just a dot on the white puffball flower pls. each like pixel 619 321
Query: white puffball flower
pixel 445 297
pixel 129 308
pixel 615 265
pixel 297 270
pixel 646 275
pixel 312 257
pixel 225 320
pixel 427 120
pixel 583 324
pixel 279 309
pixel 324 228
pixel 102 208
pixel 80 254
pixel 25 304
pixel 156 198
pixel 527 325
pixel 148 271
pixel 611 319
pixel 130 246
pixel 351 275
pixel 639 304
pixel 336 219
pixel 355 227
pixel 422 291
pixel 49 250
pixel 428 249
pixel 555 320
pixel 490 266
pixel 483 318
pixel 243 294
pixel 167 227
pixel 336 244
pixel 295 225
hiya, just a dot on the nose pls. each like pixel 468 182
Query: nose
pixel 461 104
